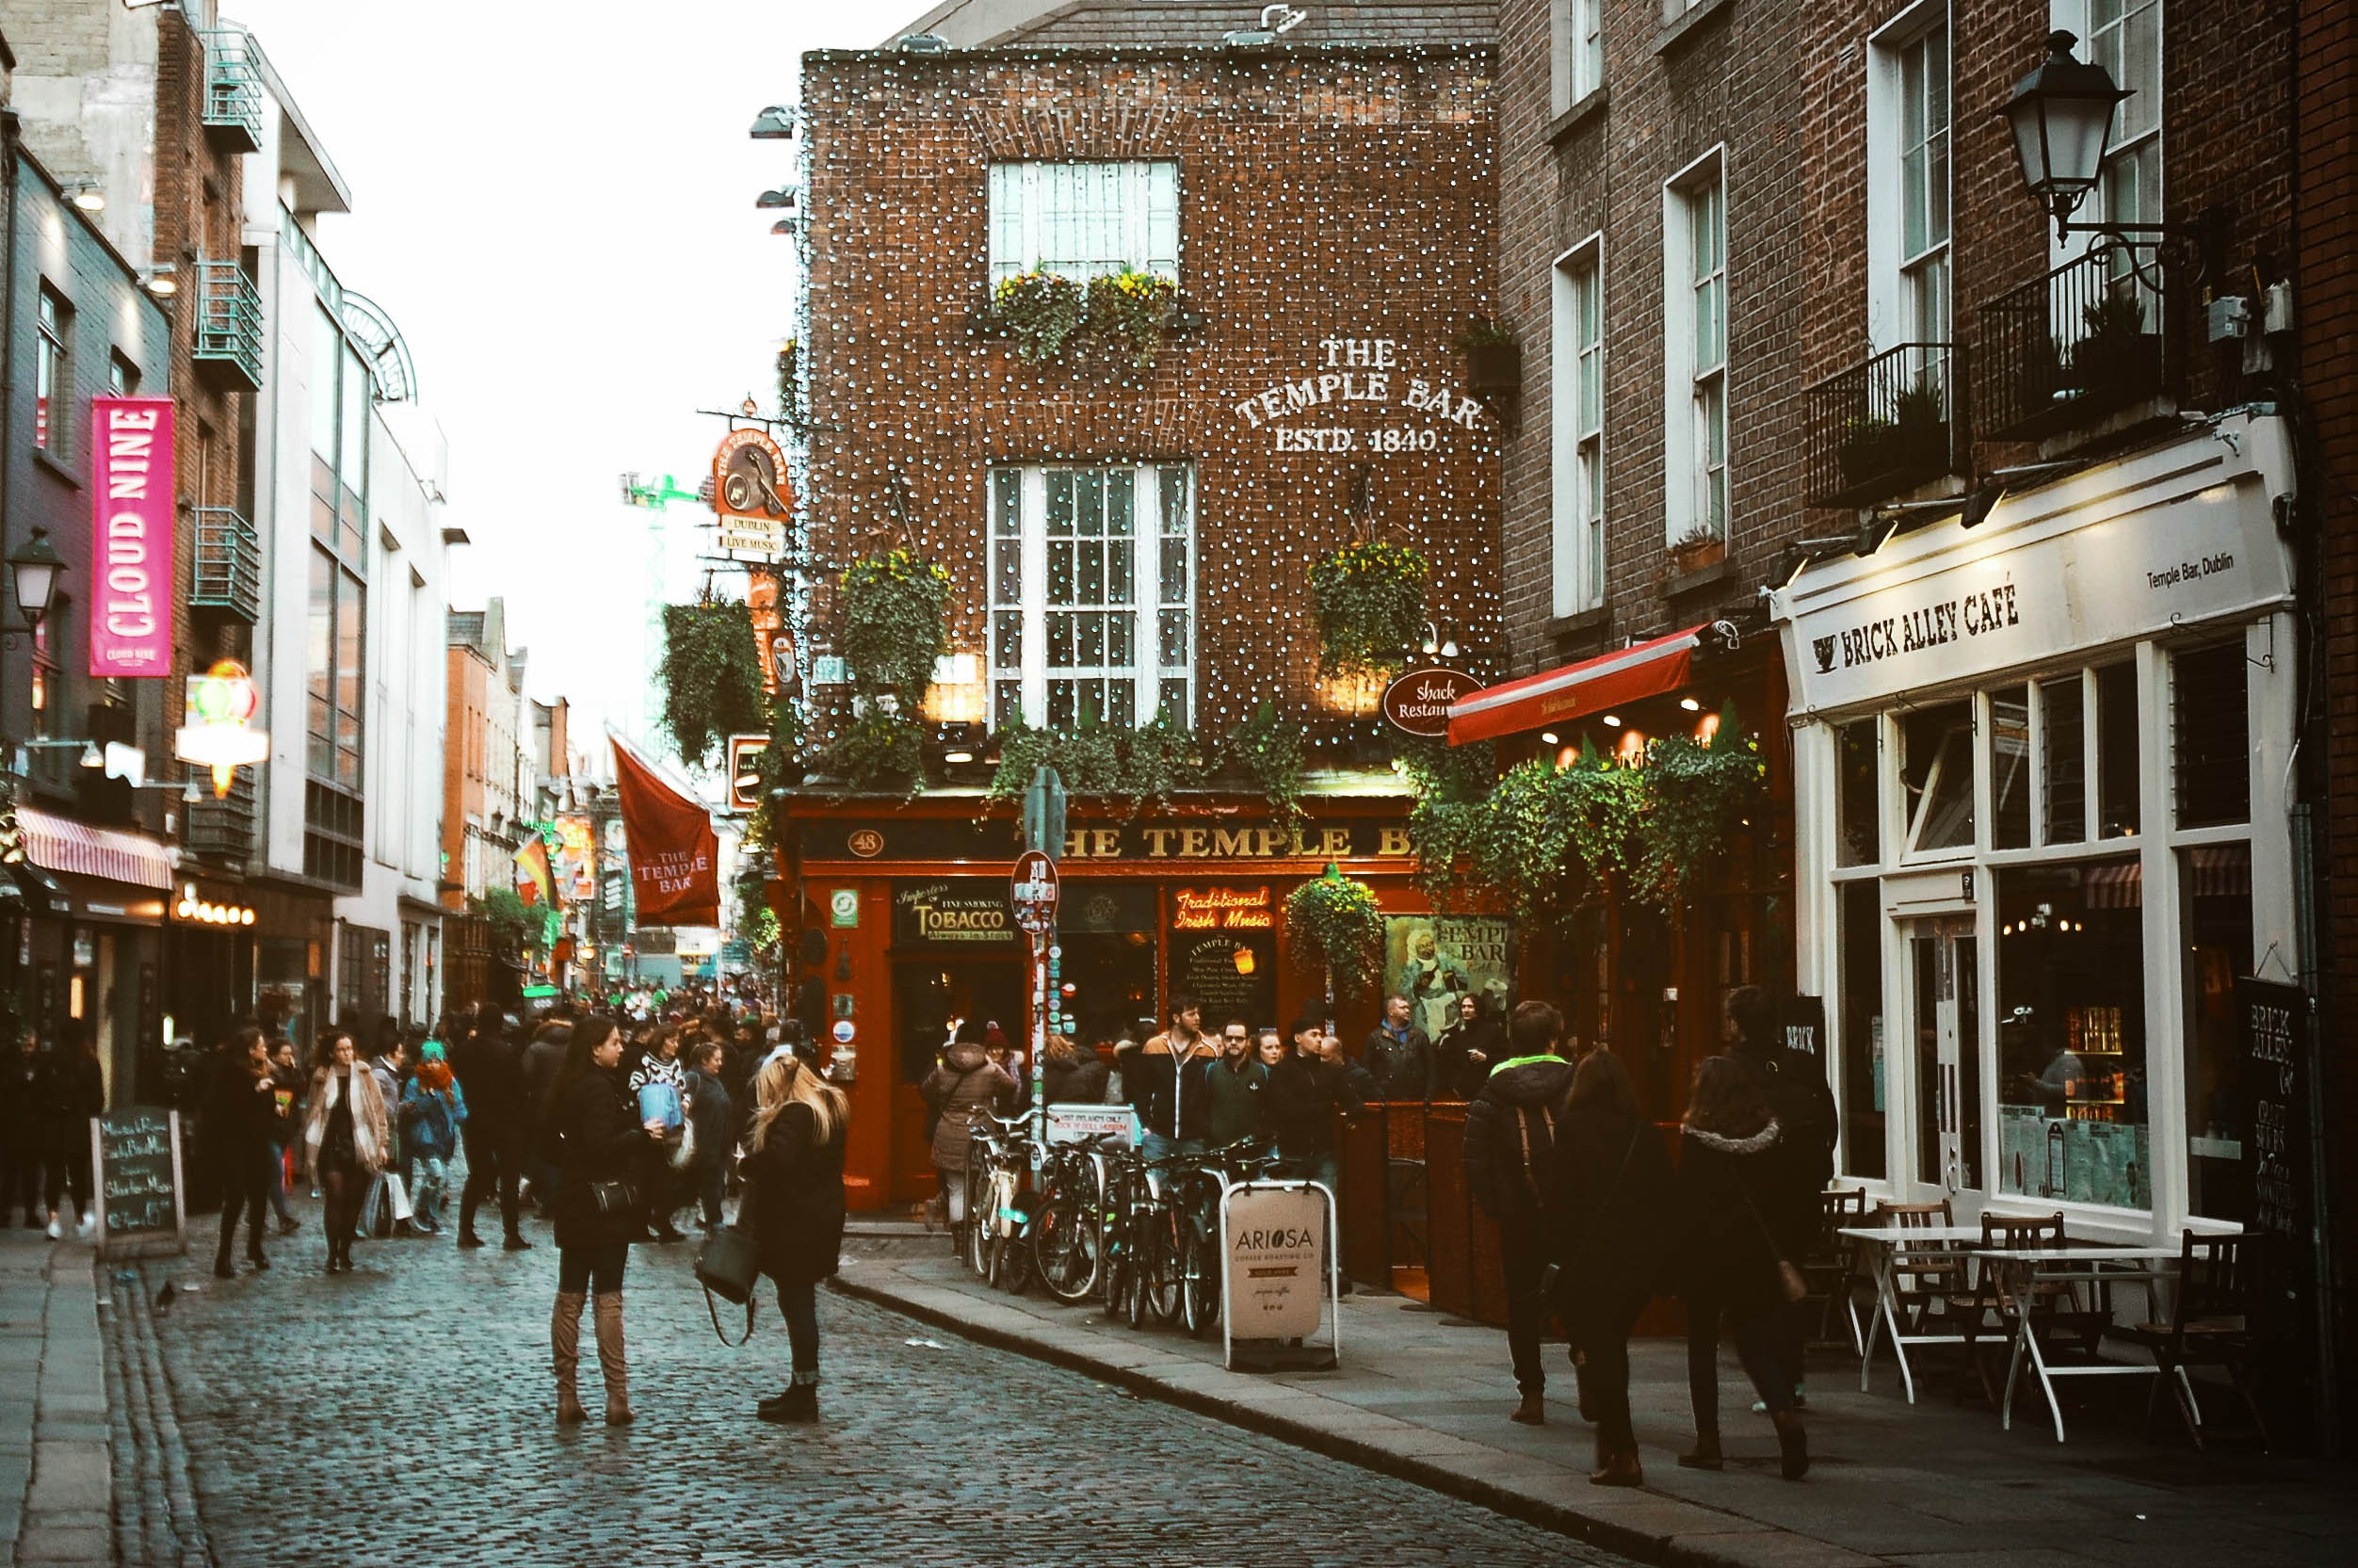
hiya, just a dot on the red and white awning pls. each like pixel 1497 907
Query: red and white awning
pixel 1559 696
pixel 2118 885
pixel 61 844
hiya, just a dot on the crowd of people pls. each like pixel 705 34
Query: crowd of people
pixel 48 1094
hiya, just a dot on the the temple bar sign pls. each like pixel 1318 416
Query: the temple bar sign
pixel 1356 396
pixel 1151 842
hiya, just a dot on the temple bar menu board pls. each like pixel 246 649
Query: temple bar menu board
pixel 1224 948
pixel 138 1150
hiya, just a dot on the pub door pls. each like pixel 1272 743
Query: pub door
pixel 928 992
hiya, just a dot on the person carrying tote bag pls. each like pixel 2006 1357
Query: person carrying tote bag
pixel 794 1195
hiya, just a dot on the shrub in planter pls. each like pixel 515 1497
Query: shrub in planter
pixel 1697 548
pixel 1038 311
pixel 2117 354
pixel 1494 360
pixel 1132 311
pixel 1370 603
pixel 878 747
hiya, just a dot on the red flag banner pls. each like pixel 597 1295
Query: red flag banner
pixel 674 855
pixel 534 885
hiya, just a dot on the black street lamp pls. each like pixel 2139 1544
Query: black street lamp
pixel 2062 116
pixel 34 565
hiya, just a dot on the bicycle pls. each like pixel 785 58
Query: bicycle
pixel 1068 1224
pixel 998 1250
pixel 1130 1205
pixel 1196 1190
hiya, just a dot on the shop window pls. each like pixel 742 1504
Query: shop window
pixel 1084 219
pixel 1936 773
pixel 2063 758
pixel 2115 752
pixel 1861 947
pixel 2072 1116
pixel 2009 769
pixel 1078 554
pixel 2216 882
pixel 1858 812
pixel 2211 752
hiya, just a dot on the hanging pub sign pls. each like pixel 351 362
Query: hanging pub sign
pixel 751 493
pixel 217 729
pixel 131 543
pixel 1419 702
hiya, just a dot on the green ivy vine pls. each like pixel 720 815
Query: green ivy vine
pixel 1698 795
pixel 1269 749
pixel 1150 764
pixel 711 678
pixel 877 748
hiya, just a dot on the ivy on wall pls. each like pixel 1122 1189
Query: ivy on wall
pixel 711 678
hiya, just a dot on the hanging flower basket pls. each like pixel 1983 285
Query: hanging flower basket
pixel 1370 603
pixel 1338 919
pixel 1038 311
pixel 1699 795
pixel 1494 360
pixel 1131 311
pixel 895 610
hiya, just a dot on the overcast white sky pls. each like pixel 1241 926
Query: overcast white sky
pixel 553 198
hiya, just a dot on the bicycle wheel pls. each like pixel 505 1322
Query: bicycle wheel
pixel 1064 1241
pixel 1161 1277
pixel 1200 1278
pixel 1137 1302
pixel 978 1225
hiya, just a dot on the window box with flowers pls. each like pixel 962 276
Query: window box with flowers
pixel 1124 318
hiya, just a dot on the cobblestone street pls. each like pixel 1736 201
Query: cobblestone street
pixel 402 1414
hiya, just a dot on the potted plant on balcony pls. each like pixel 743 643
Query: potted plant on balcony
pixel 1494 361
pixel 1914 441
pixel 1038 312
pixel 1698 548
pixel 2115 354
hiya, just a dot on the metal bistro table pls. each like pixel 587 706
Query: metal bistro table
pixel 1886 1248
pixel 2080 1268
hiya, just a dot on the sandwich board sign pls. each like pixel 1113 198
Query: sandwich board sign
pixel 140 1208
pixel 1277 1281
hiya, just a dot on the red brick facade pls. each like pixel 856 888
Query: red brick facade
pixel 1324 195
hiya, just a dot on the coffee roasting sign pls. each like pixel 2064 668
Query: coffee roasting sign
pixel 1397 413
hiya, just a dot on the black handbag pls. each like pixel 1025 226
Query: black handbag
pixel 729 1265
pixel 616 1197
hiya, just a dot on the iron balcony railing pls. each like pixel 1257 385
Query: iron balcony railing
pixel 1887 425
pixel 229 564
pixel 223 830
pixel 232 92
pixel 228 325
pixel 2061 351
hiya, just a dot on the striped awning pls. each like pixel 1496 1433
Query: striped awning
pixel 2119 885
pixel 2219 871
pixel 61 844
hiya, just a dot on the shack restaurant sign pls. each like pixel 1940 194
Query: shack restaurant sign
pixel 1356 396
pixel 131 603
pixel 1419 701
pixel 2173 537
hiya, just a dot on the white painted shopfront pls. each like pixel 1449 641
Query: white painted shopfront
pixel 2041 796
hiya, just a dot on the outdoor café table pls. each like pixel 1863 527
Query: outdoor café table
pixel 1884 1250
pixel 2021 1272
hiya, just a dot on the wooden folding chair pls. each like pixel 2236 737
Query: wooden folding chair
pixel 2209 1325
pixel 1831 1269
pixel 1990 1309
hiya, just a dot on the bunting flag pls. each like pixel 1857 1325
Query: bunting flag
pixel 535 884
pixel 674 855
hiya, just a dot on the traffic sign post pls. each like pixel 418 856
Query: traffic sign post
pixel 1032 894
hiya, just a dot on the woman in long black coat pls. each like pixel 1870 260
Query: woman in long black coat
pixel 1729 1164
pixel 794 1193
pixel 595 1146
pixel 1609 1217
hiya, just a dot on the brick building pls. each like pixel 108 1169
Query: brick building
pixel 1327 210
pixel 487 789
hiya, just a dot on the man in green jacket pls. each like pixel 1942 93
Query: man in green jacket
pixel 1236 1089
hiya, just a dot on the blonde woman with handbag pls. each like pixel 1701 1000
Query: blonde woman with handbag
pixel 346 1141
pixel 794 1207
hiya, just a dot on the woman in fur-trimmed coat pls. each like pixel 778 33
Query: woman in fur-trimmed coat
pixel 346 1140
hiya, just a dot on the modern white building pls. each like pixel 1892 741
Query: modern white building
pixel 348 506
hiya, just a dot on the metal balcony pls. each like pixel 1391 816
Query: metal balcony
pixel 223 830
pixel 229 564
pixel 2068 348
pixel 1886 425
pixel 229 326
pixel 232 92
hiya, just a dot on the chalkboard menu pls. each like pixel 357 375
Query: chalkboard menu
pixel 1232 973
pixel 2274 1021
pixel 139 1173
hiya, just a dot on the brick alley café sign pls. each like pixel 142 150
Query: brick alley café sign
pixel 1356 396
pixel 1145 844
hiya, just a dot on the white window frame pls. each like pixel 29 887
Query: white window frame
pixel 2079 17
pixel 1575 51
pixel 1151 595
pixel 1687 389
pixel 1577 359
pixel 1137 228
pixel 1890 316
pixel 53 372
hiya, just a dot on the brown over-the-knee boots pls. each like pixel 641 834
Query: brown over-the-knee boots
pixel 565 1348
pixel 607 1312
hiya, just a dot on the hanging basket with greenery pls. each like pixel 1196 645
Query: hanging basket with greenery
pixel 1039 311
pixel 710 677
pixel 1131 311
pixel 1337 919
pixel 895 610
pixel 1541 841
pixel 1370 598
pixel 877 750
pixel 1698 795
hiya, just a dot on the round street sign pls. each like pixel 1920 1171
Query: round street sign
pixel 844 1030
pixel 1032 891
pixel 1419 701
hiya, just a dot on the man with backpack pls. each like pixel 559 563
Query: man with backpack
pixel 1509 1158
pixel 1803 1104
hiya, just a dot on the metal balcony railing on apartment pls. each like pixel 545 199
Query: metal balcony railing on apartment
pixel 1886 425
pixel 223 830
pixel 232 92
pixel 229 326
pixel 229 564
pixel 2068 348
